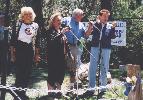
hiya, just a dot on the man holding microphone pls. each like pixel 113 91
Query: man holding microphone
pixel 76 33
pixel 102 33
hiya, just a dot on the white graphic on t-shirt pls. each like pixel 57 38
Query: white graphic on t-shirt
pixel 28 31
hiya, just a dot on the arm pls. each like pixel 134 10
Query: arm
pixel 37 46
pixel 112 32
pixel 37 55
pixel 90 29
pixel 12 52
pixel 15 34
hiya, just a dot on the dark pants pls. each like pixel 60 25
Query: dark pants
pixel 24 60
pixel 3 56
pixel 3 64
pixel 56 73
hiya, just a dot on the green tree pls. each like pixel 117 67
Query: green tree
pixel 133 51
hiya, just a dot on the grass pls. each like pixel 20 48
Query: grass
pixel 38 81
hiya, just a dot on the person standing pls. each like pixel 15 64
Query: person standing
pixel 102 33
pixel 57 49
pixel 22 49
pixel 74 35
pixel 4 33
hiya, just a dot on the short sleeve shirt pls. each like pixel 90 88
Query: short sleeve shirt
pixel 27 32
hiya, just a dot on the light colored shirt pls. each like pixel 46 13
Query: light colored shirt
pixel 27 32
pixel 77 28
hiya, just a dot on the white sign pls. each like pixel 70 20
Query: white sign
pixel 120 31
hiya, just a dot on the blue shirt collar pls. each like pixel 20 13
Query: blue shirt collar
pixel 74 20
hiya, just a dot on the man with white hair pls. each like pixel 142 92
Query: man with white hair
pixel 74 35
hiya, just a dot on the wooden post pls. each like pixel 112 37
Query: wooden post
pixel 136 93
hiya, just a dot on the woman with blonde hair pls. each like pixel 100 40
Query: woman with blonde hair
pixel 57 48
pixel 22 48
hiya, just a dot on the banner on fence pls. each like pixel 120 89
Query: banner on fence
pixel 120 31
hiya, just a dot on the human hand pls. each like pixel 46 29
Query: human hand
pixel 65 29
pixel 114 23
pixel 97 19
pixel 90 26
pixel 13 58
pixel 13 55
pixel 37 58
pixel 91 23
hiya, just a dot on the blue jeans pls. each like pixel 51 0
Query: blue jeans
pixel 105 57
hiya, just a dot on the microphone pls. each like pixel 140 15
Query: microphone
pixel 64 28
pixel 63 25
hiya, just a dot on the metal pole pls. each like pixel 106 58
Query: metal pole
pixel 99 65
pixel 77 89
pixel 98 62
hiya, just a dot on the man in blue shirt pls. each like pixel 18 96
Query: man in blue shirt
pixel 74 35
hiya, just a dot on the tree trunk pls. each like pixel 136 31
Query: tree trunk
pixel 37 7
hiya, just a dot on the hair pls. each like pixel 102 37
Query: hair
pixel 77 11
pixel 104 11
pixel 53 17
pixel 26 10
